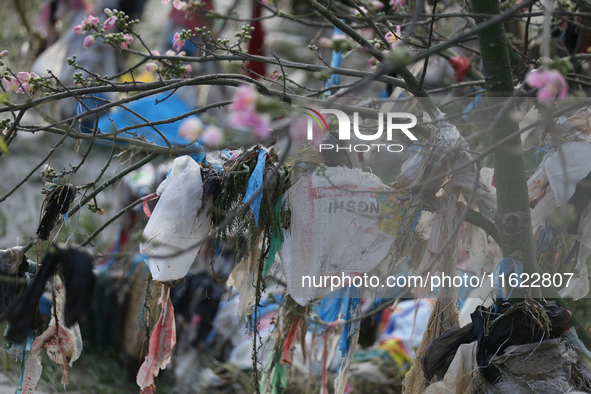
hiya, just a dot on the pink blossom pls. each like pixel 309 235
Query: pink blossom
pixel 299 131
pixel 107 11
pixel 325 42
pixel 155 52
pixel 151 67
pixel 78 30
pixel 378 5
pixel 178 4
pixel 23 76
pixel 12 84
pixel 397 4
pixel 549 84
pixel 90 21
pixel 186 69
pixel 165 1
pixel 190 128
pixel 394 38
pixel 244 114
pixel 212 135
pixel 177 42
pixel 19 84
pixel 110 23
pixel 4 53
pixel 170 52
pixel 261 126
pixel 245 98
pixel 258 123
pixel 26 87
pixel 88 41
pixel 128 40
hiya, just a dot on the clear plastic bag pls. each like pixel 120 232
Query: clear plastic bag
pixel 177 224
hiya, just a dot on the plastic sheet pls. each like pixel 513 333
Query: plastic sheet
pixel 460 373
pixel 177 225
pixel 337 226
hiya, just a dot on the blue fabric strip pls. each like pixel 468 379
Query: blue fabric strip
pixel 254 184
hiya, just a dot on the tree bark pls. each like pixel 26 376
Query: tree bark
pixel 513 212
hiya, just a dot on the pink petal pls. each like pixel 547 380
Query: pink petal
pixel 536 79
pixel 151 67
pixel 23 76
pixel 110 23
pixel 88 41
pixel 212 136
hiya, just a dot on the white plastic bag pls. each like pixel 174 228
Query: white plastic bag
pixel 176 225
pixel 566 167
pixel 340 225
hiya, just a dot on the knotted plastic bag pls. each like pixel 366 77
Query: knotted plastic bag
pixel 177 225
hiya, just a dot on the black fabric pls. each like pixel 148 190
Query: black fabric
pixel 200 296
pixel 512 324
pixel 8 289
pixel 59 203
pixel 22 313
pixel 212 184
pixel 79 282
pixel 440 353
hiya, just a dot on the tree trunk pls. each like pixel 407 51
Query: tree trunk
pixel 513 212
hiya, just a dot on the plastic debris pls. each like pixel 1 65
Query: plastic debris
pixel 79 282
pixel 325 212
pixel 63 345
pixel 177 225
pixel 162 340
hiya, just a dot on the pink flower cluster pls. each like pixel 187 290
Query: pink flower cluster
pixel 212 136
pixel 190 128
pixel 92 23
pixel 21 83
pixel 110 23
pixel 128 40
pixel 244 113
pixel 392 38
pixel 87 24
pixel 549 84
pixel 397 4
pixel 178 4
pixel 185 69
pixel 177 42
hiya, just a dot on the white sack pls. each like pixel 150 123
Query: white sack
pixel 335 230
